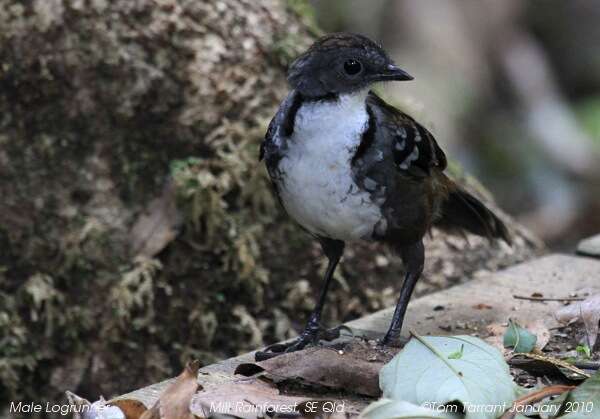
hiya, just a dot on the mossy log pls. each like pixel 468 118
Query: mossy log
pixel 134 213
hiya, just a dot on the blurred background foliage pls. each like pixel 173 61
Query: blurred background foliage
pixel 137 229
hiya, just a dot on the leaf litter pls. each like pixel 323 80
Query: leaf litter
pixel 425 373
pixel 497 333
pixel 329 367
pixel 414 384
pixel 449 370
pixel 245 398
pixel 173 402
pixel 399 409
pixel 534 397
pixel 587 311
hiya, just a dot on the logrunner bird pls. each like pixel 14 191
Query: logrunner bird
pixel 347 166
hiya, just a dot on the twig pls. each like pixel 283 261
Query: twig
pixel 535 397
pixel 523 297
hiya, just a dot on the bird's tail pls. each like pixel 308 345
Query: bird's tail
pixel 462 211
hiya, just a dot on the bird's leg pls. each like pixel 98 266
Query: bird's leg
pixel 413 257
pixel 333 249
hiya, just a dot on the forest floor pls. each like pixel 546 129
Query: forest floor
pixel 535 299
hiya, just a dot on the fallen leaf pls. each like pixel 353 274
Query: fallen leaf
pixel 541 332
pixel 79 404
pixel 157 226
pixel 326 367
pixel 399 409
pixel 583 402
pixel 495 337
pixel 422 373
pixel 535 397
pixel 496 333
pixel 244 398
pixel 174 401
pixel 482 306
pixel 587 311
pixel 321 409
pixel 559 365
pixel 518 338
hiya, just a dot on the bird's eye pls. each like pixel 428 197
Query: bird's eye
pixel 352 67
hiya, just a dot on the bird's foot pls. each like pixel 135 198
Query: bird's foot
pixel 392 338
pixel 311 335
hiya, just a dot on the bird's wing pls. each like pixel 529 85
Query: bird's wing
pixel 268 146
pixel 268 138
pixel 414 149
pixel 282 125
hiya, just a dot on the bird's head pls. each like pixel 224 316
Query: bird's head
pixel 342 63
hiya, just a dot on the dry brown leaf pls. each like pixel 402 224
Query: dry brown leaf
pixel 539 367
pixel 537 327
pixel 157 226
pixel 152 413
pixel 327 367
pixel 587 311
pixel 80 404
pixel 174 401
pixel 324 409
pixel 558 363
pixel 496 337
pixel 245 398
pixel 540 330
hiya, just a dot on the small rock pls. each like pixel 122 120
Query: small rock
pixel 590 246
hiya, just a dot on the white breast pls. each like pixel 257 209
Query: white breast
pixel 317 187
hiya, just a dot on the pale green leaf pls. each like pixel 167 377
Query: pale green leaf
pixel 396 409
pixel 422 373
pixel 518 338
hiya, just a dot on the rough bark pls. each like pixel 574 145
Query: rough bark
pixel 104 283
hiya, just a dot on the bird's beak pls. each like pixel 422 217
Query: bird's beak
pixel 393 73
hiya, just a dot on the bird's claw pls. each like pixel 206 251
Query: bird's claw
pixel 311 335
pixel 392 339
